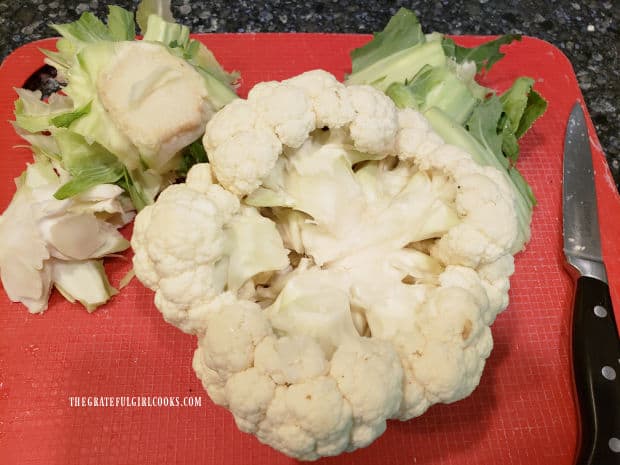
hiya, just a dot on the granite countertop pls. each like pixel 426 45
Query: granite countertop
pixel 586 31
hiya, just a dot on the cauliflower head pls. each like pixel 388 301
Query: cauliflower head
pixel 340 264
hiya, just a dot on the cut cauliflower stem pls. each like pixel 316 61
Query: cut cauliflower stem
pixel 338 261
pixel 157 100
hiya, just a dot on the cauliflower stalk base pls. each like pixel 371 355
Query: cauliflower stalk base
pixel 340 264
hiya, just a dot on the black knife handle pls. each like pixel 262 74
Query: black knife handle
pixel 596 368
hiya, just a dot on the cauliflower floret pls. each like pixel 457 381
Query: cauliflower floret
pixel 480 200
pixel 286 109
pixel 440 319
pixel 290 360
pixel 186 248
pixel 308 420
pixel 241 162
pixel 178 243
pixel 471 281
pixel 220 356
pixel 233 330
pixel 330 100
pixel 443 361
pixel 211 380
pixel 249 395
pixel 375 124
pixel 242 148
pixel 415 402
pixel 305 411
pixel 495 280
pixel 245 138
pixel 375 365
pixel 415 135
pixel 200 178
pixel 237 116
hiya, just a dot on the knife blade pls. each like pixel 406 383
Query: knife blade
pixel 595 342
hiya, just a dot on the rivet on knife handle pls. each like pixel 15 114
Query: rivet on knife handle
pixel 596 365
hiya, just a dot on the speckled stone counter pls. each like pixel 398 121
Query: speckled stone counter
pixel 586 31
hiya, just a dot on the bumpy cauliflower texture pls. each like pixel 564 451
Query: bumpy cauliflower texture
pixel 339 263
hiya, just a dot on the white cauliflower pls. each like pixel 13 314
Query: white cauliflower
pixel 330 103
pixel 341 265
pixel 196 242
pixel 374 126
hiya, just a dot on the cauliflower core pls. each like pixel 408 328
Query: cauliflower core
pixel 339 263
pixel 157 100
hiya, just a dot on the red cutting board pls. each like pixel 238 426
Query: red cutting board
pixel 522 412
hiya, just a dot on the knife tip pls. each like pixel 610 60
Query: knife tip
pixel 577 108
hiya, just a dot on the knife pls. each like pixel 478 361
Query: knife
pixel 595 342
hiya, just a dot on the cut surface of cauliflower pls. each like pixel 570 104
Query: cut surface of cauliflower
pixel 159 101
